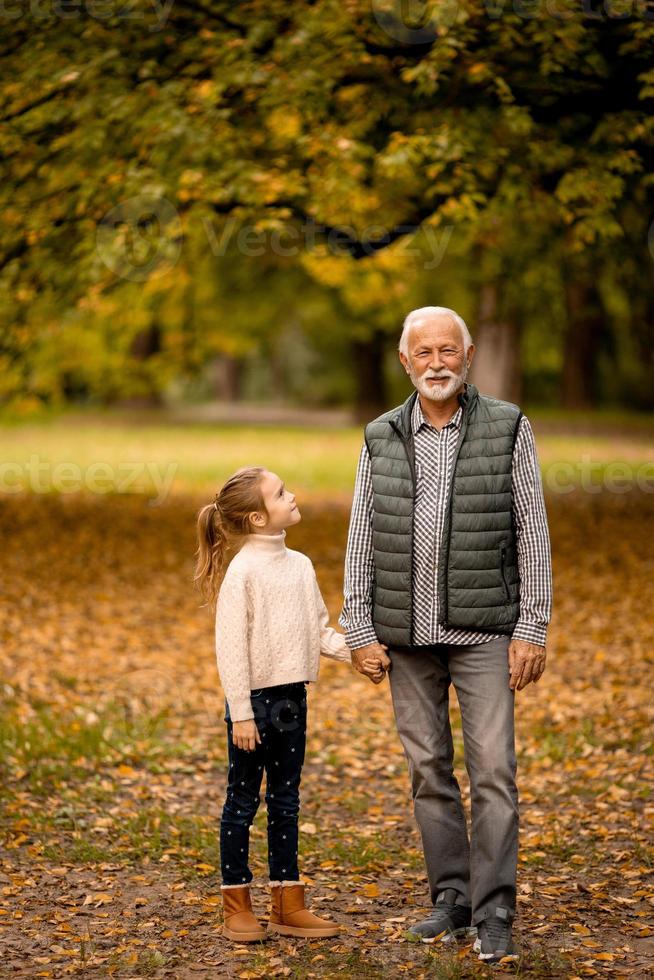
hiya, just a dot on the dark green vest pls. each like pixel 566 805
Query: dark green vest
pixel 478 583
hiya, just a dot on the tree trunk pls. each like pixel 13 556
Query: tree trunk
pixel 144 344
pixel 368 366
pixel 496 367
pixel 226 375
pixel 584 329
pixel 277 366
pixel 642 327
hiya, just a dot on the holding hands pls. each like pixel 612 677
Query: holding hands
pixel 372 661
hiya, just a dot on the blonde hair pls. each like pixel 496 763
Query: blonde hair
pixel 225 518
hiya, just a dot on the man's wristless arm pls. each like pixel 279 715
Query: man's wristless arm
pixel 356 617
pixel 533 543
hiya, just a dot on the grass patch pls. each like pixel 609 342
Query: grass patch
pixel 155 832
pixel 644 853
pixel 377 851
pixel 318 960
pixel 152 834
pixel 559 745
pixel 446 965
pixel 192 458
pixel 156 458
pixel 144 963
pixel 41 748
pixel 356 804
pixel 78 850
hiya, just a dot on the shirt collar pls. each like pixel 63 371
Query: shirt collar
pixel 418 418
pixel 265 544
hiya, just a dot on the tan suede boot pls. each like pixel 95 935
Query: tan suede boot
pixel 288 915
pixel 239 922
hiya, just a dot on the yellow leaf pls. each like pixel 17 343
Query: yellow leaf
pixel 370 891
pixel 124 770
pixel 580 930
pixel 97 899
pixel 62 951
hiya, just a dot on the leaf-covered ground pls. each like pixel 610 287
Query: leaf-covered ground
pixel 113 761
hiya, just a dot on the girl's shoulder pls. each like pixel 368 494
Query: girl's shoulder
pixel 301 560
pixel 237 570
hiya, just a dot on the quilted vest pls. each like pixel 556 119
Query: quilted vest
pixel 478 582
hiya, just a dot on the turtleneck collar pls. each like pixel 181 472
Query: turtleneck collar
pixel 266 544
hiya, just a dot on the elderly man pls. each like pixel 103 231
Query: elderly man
pixel 448 567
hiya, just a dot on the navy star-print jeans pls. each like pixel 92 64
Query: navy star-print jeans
pixel 280 714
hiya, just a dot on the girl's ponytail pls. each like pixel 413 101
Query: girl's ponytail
pixel 212 548
pixel 225 518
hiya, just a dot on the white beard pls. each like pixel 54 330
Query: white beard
pixel 439 393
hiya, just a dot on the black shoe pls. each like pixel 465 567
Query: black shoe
pixel 494 943
pixel 447 922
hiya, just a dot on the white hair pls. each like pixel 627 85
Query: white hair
pixel 432 311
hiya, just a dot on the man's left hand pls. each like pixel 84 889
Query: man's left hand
pixel 526 663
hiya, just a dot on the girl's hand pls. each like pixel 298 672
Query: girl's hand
pixel 245 735
pixel 373 669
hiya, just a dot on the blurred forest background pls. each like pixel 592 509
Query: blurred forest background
pixel 204 200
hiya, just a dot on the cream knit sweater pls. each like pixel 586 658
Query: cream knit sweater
pixel 271 622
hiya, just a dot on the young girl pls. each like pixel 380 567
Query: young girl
pixel 271 628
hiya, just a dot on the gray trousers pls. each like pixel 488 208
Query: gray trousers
pixel 482 870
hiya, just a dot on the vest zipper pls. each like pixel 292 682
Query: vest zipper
pixel 442 621
pixel 411 461
pixel 503 571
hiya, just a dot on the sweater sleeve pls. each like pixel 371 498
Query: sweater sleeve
pixel 332 643
pixel 232 645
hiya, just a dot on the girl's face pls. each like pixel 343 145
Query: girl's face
pixel 280 504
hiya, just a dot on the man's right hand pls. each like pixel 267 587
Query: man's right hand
pixel 376 651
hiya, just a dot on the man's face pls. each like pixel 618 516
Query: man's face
pixel 437 363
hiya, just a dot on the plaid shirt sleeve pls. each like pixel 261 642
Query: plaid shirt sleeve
pixel 356 617
pixel 534 557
